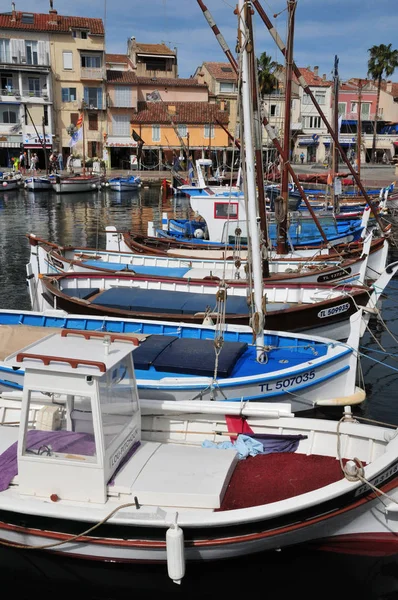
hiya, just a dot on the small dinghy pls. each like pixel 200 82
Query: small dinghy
pixel 124 184
pixel 39 184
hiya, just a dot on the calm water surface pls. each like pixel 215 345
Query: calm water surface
pixel 81 220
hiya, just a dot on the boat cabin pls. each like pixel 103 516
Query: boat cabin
pixel 84 443
pixel 92 423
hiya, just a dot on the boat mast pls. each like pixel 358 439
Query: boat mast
pixel 335 151
pixel 308 91
pixel 285 157
pixel 359 129
pixel 44 145
pixel 250 179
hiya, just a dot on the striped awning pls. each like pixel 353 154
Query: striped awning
pixel 10 144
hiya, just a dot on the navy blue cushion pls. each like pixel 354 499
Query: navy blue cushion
pixel 159 301
pixel 197 357
pixel 82 293
pixel 149 349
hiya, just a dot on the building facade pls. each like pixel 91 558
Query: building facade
pixel 26 94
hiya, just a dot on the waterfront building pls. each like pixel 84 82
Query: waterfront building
pixel 26 91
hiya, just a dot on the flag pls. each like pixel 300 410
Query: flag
pixel 190 171
pixel 78 134
pixel 76 137
pixel 137 138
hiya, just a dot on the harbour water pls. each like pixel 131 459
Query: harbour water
pixel 81 220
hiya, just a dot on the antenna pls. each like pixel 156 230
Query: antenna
pixel 51 4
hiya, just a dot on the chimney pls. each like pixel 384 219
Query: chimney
pixel 13 16
pixel 52 10
pixel 389 86
pixel 316 71
pixel 324 77
pixel 172 110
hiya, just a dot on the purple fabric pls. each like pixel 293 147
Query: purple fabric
pixel 60 441
pixel 278 442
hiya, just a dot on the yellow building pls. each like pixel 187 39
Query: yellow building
pixel 52 68
pixel 78 66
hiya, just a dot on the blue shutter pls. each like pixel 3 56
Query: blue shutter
pixel 65 94
pixel 86 100
pixel 99 98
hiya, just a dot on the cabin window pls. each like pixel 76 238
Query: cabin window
pixel 225 210
pixel 118 401
pixel 60 427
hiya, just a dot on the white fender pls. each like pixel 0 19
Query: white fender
pixel 175 552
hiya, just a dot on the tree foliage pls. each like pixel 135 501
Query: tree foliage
pixel 383 61
pixel 267 81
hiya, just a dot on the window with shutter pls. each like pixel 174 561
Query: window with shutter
pixel 123 96
pixel 93 121
pixel 121 125
pixel 68 61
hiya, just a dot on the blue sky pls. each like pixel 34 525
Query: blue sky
pixel 323 28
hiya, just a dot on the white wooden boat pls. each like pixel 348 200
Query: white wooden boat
pixel 9 182
pixel 36 184
pixel 95 474
pixel 76 183
pixel 188 362
pixel 48 257
pixel 124 184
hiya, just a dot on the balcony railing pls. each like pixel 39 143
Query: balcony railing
pixel 10 92
pixel 35 94
pixel 92 73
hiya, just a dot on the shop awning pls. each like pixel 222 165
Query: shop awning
pixel 307 142
pixel 36 146
pixel 10 145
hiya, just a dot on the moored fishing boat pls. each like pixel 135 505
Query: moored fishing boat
pixel 76 183
pixel 124 184
pixel 97 474
pixel 36 184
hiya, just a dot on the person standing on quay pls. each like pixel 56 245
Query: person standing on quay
pixel 60 161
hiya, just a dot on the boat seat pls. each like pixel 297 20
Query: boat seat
pixel 82 293
pixel 139 269
pixel 165 301
pixel 197 357
pixel 176 475
pixel 145 354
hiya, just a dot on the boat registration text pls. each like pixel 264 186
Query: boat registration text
pixel 283 384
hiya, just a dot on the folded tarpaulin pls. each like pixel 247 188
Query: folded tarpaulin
pixel 250 445
pixel 56 441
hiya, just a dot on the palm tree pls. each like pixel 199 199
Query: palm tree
pixel 382 61
pixel 267 81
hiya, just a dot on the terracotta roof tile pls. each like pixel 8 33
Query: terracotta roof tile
pixel 221 70
pixel 312 79
pixel 153 49
pixel 117 58
pixel 51 22
pixel 121 77
pixel 186 113
pixel 171 82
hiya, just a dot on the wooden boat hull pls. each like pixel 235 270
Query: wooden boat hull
pixel 329 317
pixel 67 185
pixel 36 184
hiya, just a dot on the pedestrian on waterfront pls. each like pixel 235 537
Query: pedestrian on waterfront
pixel 53 163
pixel 384 157
pixel 22 163
pixel 16 164
pixel 60 161
pixel 34 159
pixel 302 157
